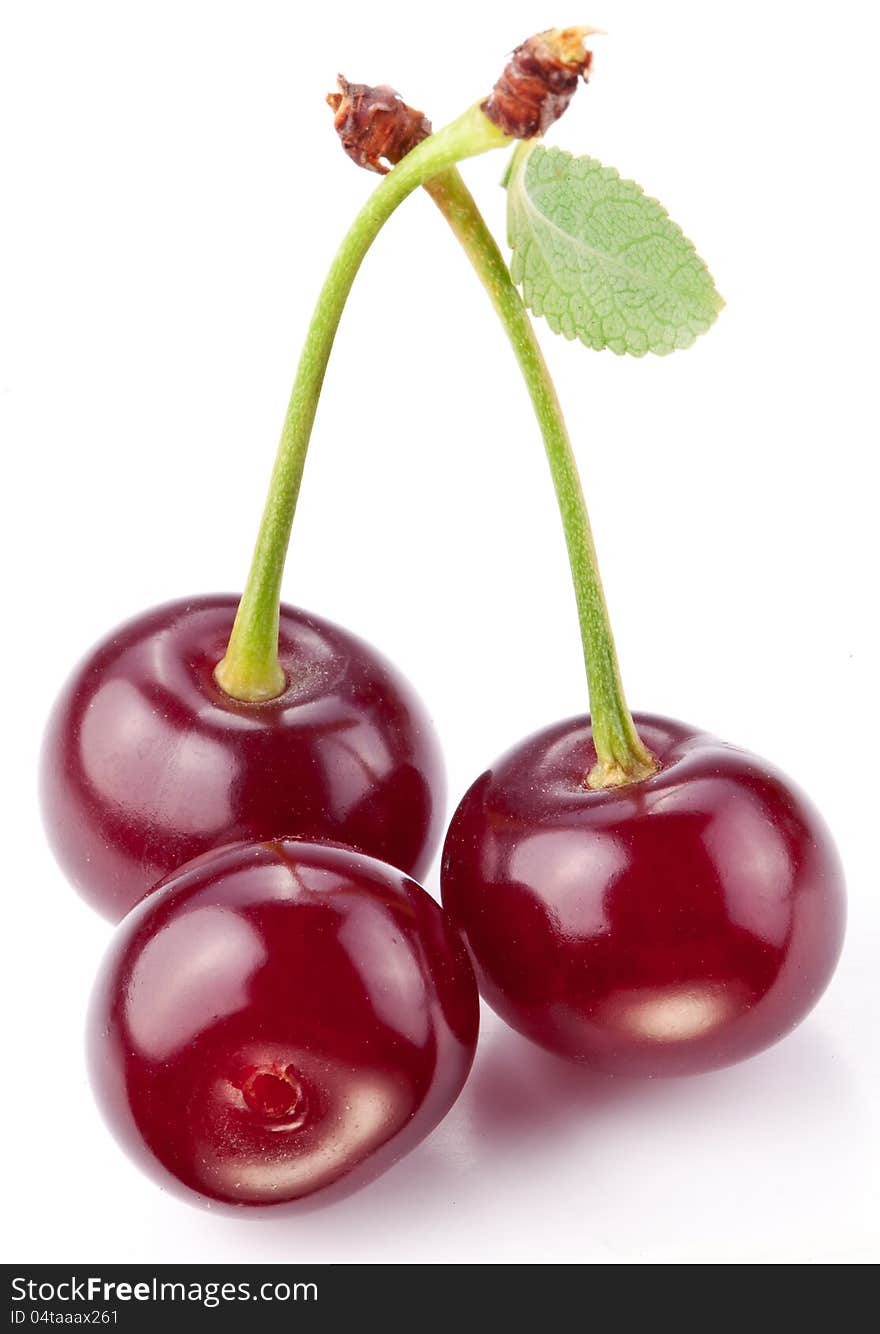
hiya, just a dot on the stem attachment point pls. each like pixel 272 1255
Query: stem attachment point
pixel 249 682
pixel 612 771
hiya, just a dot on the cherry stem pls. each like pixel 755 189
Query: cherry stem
pixel 621 756
pixel 250 669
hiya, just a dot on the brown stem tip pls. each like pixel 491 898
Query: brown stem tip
pixel 375 124
pixel 539 81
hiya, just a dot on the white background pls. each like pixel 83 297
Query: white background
pixel 173 194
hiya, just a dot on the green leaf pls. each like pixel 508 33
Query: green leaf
pixel 600 260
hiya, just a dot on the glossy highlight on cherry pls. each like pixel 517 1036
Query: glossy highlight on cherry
pixel 279 1021
pixel 665 927
pixel 147 763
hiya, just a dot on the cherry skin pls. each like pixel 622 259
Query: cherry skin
pixel 671 926
pixel 280 1019
pixel 147 763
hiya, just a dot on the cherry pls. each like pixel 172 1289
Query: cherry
pixel 662 927
pixel 147 762
pixel 279 1019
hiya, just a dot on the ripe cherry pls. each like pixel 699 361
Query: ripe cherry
pixel 147 763
pixel 279 1019
pixel 666 926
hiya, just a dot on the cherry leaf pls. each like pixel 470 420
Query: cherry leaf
pixel 600 260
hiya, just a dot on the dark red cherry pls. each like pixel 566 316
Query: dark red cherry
pixel 667 927
pixel 279 1019
pixel 147 763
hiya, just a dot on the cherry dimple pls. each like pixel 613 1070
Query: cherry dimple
pixel 273 1094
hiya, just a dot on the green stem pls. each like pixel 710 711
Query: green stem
pixel 250 669
pixel 620 753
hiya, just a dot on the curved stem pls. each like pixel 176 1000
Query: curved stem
pixel 621 755
pixel 250 669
